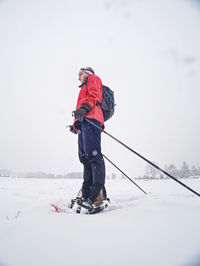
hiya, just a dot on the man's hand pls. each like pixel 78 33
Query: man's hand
pixel 81 111
pixel 71 129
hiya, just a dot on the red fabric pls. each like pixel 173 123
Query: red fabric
pixel 91 93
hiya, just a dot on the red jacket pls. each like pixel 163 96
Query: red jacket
pixel 91 93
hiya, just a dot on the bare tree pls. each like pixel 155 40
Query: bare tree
pixel 185 171
pixel 173 170
pixel 195 171
pixel 151 171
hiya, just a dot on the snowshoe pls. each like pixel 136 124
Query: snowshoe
pixel 79 205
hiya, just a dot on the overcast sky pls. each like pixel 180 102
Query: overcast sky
pixel 147 51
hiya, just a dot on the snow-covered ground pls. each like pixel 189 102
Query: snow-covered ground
pixel 161 228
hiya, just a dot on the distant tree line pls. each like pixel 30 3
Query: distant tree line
pixel 73 175
pixel 183 172
pixel 150 173
pixel 7 173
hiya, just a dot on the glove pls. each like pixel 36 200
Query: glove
pixel 81 111
pixel 71 129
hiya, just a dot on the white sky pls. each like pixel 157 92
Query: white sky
pixel 147 51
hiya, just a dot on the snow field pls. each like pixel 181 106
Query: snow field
pixel 160 228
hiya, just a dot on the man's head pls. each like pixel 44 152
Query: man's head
pixel 84 73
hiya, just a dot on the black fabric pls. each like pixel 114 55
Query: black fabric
pixel 71 129
pixel 87 180
pixel 85 82
pixel 86 106
pixel 89 144
pixel 80 112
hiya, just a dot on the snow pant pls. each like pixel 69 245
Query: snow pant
pixel 89 149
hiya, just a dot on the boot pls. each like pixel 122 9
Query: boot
pixel 99 199
pixel 87 204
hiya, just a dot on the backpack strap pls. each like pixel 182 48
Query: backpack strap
pixel 84 83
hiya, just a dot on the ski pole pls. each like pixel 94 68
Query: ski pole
pixel 158 168
pixel 123 173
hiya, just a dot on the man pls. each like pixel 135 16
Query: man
pixel 89 110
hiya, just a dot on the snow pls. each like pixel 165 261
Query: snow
pixel 160 228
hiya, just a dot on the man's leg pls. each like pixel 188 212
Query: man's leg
pixel 98 173
pixel 87 180
pixel 91 139
pixel 87 169
pixel 104 192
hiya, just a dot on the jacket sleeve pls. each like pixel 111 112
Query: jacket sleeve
pixel 93 91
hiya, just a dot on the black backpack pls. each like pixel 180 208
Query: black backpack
pixel 108 103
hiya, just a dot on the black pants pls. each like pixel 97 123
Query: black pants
pixel 89 147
